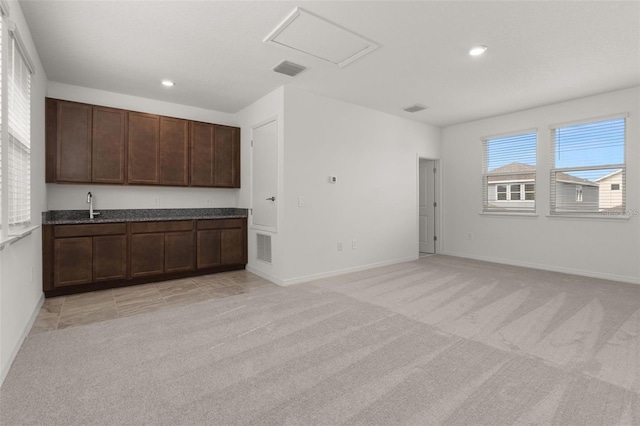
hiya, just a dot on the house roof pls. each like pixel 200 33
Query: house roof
pixel 518 172
pixel 609 175
pixel 515 167
pixel 513 172
pixel 566 178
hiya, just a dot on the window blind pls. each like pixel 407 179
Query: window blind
pixel 588 159
pixel 19 135
pixel 509 172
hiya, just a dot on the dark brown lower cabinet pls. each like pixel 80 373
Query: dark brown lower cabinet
pixel 84 254
pixel 221 242
pixel 109 258
pixel 231 246
pixel 147 254
pixel 93 256
pixel 72 261
pixel 208 248
pixel 179 252
pixel 162 247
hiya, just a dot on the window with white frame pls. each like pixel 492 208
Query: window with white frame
pixel 15 152
pixel 586 158
pixel 579 193
pixel 509 172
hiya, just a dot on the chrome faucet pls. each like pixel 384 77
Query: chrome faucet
pixel 92 214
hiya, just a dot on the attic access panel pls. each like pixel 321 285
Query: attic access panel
pixel 307 33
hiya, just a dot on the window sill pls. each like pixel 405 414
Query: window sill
pixel 17 235
pixel 511 214
pixel 622 217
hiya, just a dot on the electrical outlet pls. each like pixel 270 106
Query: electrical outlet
pixel 339 246
pixel 156 201
pixel 354 244
pixel 300 201
pixel 209 202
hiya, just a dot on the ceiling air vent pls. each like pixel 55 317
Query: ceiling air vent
pixel 415 108
pixel 289 68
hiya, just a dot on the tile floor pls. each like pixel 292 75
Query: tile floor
pixel 86 308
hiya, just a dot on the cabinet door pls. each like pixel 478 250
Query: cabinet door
pixel 72 261
pixel 227 157
pixel 109 258
pixel 174 151
pixel 143 140
pixel 232 246
pixel 208 251
pixel 73 150
pixel 202 145
pixel 179 251
pixel 147 254
pixel 107 147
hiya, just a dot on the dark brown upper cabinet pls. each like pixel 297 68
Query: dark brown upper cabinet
pixel 158 150
pixel 84 143
pixel 215 155
pixel 107 146
pixel 227 157
pixel 174 151
pixel 74 142
pixel 144 148
pixel 202 153
pixel 94 144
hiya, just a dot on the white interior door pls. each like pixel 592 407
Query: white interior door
pixel 426 215
pixel 265 176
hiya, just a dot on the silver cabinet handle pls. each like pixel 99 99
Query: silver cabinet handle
pixel 271 199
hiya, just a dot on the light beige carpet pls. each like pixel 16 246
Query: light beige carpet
pixel 437 341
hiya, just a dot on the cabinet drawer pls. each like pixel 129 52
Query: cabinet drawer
pixel 63 231
pixel 220 223
pixel 147 227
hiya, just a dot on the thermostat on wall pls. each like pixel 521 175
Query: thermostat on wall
pixel 333 179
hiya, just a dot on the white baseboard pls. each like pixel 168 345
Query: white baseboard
pixel 313 277
pixel 23 335
pixel 581 272
pixel 264 275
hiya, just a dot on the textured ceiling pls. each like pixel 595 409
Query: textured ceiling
pixel 540 52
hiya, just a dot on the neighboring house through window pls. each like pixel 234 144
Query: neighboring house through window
pixel 588 167
pixel 509 173
pixel 610 191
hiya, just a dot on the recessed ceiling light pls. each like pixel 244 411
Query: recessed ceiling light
pixel 167 83
pixel 477 50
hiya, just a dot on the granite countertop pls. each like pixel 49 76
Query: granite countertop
pixel 70 217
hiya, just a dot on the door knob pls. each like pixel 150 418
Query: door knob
pixel 271 199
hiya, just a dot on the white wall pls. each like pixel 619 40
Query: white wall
pixel 374 156
pixel 73 197
pixel 20 262
pixel 592 247
pixel 267 108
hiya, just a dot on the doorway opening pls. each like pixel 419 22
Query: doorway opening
pixel 427 206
